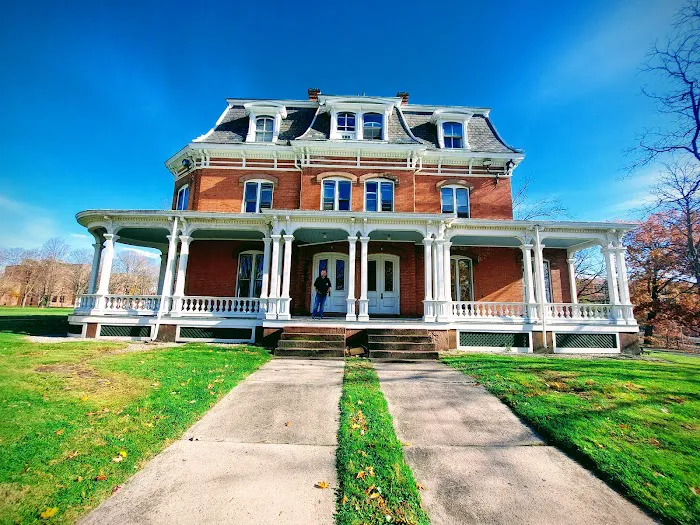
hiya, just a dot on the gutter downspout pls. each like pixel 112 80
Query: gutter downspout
pixel 165 279
pixel 540 288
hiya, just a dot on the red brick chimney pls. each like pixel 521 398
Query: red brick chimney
pixel 314 93
pixel 404 97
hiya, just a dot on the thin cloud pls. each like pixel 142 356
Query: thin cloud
pixel 26 225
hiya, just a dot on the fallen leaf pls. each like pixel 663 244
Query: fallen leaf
pixel 370 471
pixel 322 485
pixel 658 475
pixel 695 490
pixel 49 513
pixel 420 487
pixel 288 424
pixel 406 443
pixel 59 432
pixel 344 500
pixel 193 401
pixel 116 488
pixel 123 453
pixel 101 477
pixel 374 495
pixel 117 459
pixel 84 398
pixel 360 475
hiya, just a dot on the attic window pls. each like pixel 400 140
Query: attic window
pixel 372 126
pixel 346 125
pixel 452 134
pixel 264 129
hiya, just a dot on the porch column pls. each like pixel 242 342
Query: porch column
pixel 351 315
pixel 441 312
pixel 181 271
pixel 540 287
pixel 274 277
pixel 95 269
pixel 609 255
pixel 448 270
pixel 428 310
pixel 284 310
pixel 265 277
pixel 161 272
pixel 573 290
pixel 363 315
pixel 622 280
pixel 167 290
pixel 107 260
pixel 528 281
pixel 436 285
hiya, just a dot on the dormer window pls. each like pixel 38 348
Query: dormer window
pixel 455 199
pixel 183 197
pixel 346 125
pixel 372 126
pixel 264 129
pixel 453 134
pixel 257 196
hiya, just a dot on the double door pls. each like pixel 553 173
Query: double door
pixel 336 265
pixel 383 284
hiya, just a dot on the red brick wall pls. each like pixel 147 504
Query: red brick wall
pixel 561 293
pixel 489 198
pixel 212 266
pixel 497 273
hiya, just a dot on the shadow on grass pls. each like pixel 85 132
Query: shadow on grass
pixel 35 325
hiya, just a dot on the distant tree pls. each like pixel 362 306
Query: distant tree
pixel 526 209
pixel 134 274
pixel 52 259
pixel 78 272
pixel 591 282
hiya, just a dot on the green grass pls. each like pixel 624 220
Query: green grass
pixel 635 421
pixel 69 410
pixel 376 484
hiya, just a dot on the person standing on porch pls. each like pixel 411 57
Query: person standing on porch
pixel 322 284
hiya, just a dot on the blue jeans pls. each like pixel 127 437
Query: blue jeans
pixel 319 302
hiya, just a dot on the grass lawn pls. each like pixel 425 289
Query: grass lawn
pixel 635 421
pixel 77 419
pixel 376 484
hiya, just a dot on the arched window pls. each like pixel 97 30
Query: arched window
pixel 336 194
pixel 372 124
pixel 455 199
pixel 379 195
pixel 453 134
pixel 462 278
pixel 183 197
pixel 264 129
pixel 346 125
pixel 250 270
pixel 257 196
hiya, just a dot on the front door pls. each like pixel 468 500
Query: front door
pixel 383 284
pixel 336 264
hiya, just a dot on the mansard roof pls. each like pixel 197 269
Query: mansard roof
pixel 308 120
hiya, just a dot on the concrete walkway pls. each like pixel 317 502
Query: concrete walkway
pixel 253 459
pixel 480 464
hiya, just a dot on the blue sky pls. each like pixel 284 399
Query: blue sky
pixel 96 97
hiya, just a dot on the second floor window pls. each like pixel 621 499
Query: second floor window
pixel 264 128
pixel 183 197
pixel 453 134
pixel 336 195
pixel 257 196
pixel 379 196
pixel 372 126
pixel 455 200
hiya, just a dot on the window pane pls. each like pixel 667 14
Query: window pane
pixel 372 126
pixel 322 265
pixel 387 196
pixel 462 195
pixel 258 275
pixel 265 196
pixel 346 122
pixel 465 280
pixel 343 196
pixel 453 280
pixel 251 197
pixel 339 274
pixel 388 276
pixel 371 196
pixel 547 282
pixel 372 276
pixel 244 274
pixel 447 200
pixel 328 195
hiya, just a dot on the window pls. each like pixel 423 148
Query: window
pixel 346 125
pixel 257 196
pixel 183 197
pixel 372 126
pixel 461 277
pixel 379 195
pixel 336 195
pixel 264 129
pixel 455 200
pixel 547 279
pixel 452 134
pixel 250 270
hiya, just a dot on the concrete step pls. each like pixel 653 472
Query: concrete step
pixel 301 336
pixel 313 330
pixel 309 352
pixel 399 354
pixel 385 338
pixel 402 346
pixel 306 343
pixel 397 331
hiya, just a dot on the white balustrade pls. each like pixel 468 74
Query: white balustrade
pixel 85 303
pixel 220 306
pixel 582 311
pixel 137 304
pixel 487 310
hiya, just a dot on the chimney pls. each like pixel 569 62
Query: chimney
pixel 314 93
pixel 404 97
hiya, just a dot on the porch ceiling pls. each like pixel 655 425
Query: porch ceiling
pixel 150 237
pixel 315 236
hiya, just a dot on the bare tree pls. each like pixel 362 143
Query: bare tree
pixel 52 259
pixel 526 210
pixel 134 274
pixel 591 281
pixel 78 272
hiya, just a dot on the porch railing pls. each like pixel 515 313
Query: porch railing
pixel 219 306
pixel 482 310
pixel 138 304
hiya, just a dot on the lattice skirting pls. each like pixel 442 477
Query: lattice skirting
pixel 207 333
pixel 606 341
pixel 494 340
pixel 108 330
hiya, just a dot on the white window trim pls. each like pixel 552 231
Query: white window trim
pixel 238 270
pixel 177 199
pixel 359 110
pixel 546 263
pixel 454 198
pixel 335 196
pixel 256 110
pixel 379 180
pixel 454 276
pixel 441 116
pixel 259 183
